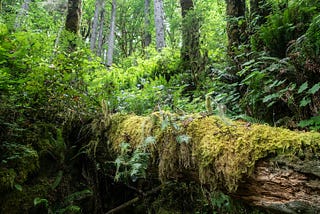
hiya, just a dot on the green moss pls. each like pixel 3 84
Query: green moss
pixel 227 152
pixel 131 129
pixel 220 150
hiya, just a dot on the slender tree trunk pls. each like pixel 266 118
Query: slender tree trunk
pixel 95 23
pixel 190 49
pixel 100 39
pixel 159 23
pixel 74 16
pixel 147 34
pixel 112 34
pixel 22 13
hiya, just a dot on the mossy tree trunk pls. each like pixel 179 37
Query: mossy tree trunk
pixel 235 25
pixel 72 24
pixel 73 16
pixel 190 49
pixel 273 168
pixel 147 24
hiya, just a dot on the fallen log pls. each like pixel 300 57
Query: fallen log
pixel 270 167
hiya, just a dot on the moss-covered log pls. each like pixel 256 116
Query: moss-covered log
pixel 265 166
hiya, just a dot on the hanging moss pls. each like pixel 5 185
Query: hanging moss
pixel 220 151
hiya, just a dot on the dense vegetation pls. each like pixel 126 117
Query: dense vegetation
pixel 54 88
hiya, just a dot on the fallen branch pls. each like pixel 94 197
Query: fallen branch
pixel 135 200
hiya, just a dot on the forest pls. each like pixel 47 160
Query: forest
pixel 164 106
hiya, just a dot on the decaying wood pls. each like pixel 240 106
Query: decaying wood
pixel 283 186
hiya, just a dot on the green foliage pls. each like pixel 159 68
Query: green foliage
pixel 283 26
pixel 313 123
pixel 140 85
pixel 133 164
pixel 67 205
pixel 49 92
pixel 18 162
pixel 312 47
pixel 38 201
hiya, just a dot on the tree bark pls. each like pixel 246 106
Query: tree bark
pixel 159 23
pixel 273 168
pixel 73 16
pixel 100 39
pixel 95 22
pixel 190 49
pixel 147 34
pixel 235 11
pixel 112 34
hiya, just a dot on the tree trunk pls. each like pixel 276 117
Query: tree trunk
pixel 159 23
pixel 100 39
pixel 274 168
pixel 147 34
pixel 94 28
pixel 22 14
pixel 190 49
pixel 112 34
pixel 235 28
pixel 74 16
